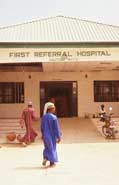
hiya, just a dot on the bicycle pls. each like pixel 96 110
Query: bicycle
pixel 109 128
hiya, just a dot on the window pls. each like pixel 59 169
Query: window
pixel 106 91
pixel 11 92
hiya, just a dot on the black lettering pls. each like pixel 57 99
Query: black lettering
pixel 40 54
pixel 93 53
pixel 83 53
pixel 50 54
pixel 108 54
pixel 27 54
pixel 64 54
pixel 44 54
pixel 88 53
pixel 11 54
pixel 59 54
pixel 69 55
pixel 99 53
pixel 22 54
pixel 103 53
pixel 35 54
pixel 19 54
pixel 78 53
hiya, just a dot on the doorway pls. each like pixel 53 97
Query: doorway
pixel 65 95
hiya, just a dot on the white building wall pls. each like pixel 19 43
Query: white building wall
pixel 86 102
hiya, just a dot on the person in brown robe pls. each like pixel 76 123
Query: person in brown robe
pixel 28 116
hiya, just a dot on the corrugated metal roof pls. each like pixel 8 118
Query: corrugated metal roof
pixel 60 29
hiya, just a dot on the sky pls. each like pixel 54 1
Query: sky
pixel 20 11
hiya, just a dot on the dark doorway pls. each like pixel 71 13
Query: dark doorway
pixel 65 95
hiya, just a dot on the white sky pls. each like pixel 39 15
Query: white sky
pixel 19 11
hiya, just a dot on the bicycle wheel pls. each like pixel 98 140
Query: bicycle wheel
pixel 107 131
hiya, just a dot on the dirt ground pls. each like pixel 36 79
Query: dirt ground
pixel 85 158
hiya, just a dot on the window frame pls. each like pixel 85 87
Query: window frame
pixel 11 92
pixel 106 91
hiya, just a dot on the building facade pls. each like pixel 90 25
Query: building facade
pixel 72 60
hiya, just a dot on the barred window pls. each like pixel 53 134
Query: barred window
pixel 11 92
pixel 106 91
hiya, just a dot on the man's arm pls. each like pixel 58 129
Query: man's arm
pixel 57 130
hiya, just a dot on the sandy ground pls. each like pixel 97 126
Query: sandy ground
pixel 85 158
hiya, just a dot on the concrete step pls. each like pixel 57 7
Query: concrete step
pixel 10 125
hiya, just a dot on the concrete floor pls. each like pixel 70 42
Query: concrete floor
pixel 85 158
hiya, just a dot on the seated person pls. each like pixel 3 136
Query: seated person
pixel 102 113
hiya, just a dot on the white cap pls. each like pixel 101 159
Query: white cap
pixel 47 106
pixel 50 105
pixel 30 103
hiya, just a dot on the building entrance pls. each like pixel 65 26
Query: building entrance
pixel 65 95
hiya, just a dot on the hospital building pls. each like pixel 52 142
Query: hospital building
pixel 74 61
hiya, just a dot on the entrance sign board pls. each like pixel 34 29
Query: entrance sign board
pixel 16 55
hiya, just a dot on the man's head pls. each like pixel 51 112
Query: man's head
pixel 30 104
pixel 102 105
pixel 51 107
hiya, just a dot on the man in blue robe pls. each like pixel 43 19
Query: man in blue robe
pixel 51 135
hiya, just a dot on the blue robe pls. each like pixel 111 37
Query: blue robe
pixel 50 130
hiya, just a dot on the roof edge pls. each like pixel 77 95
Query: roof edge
pixel 52 17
